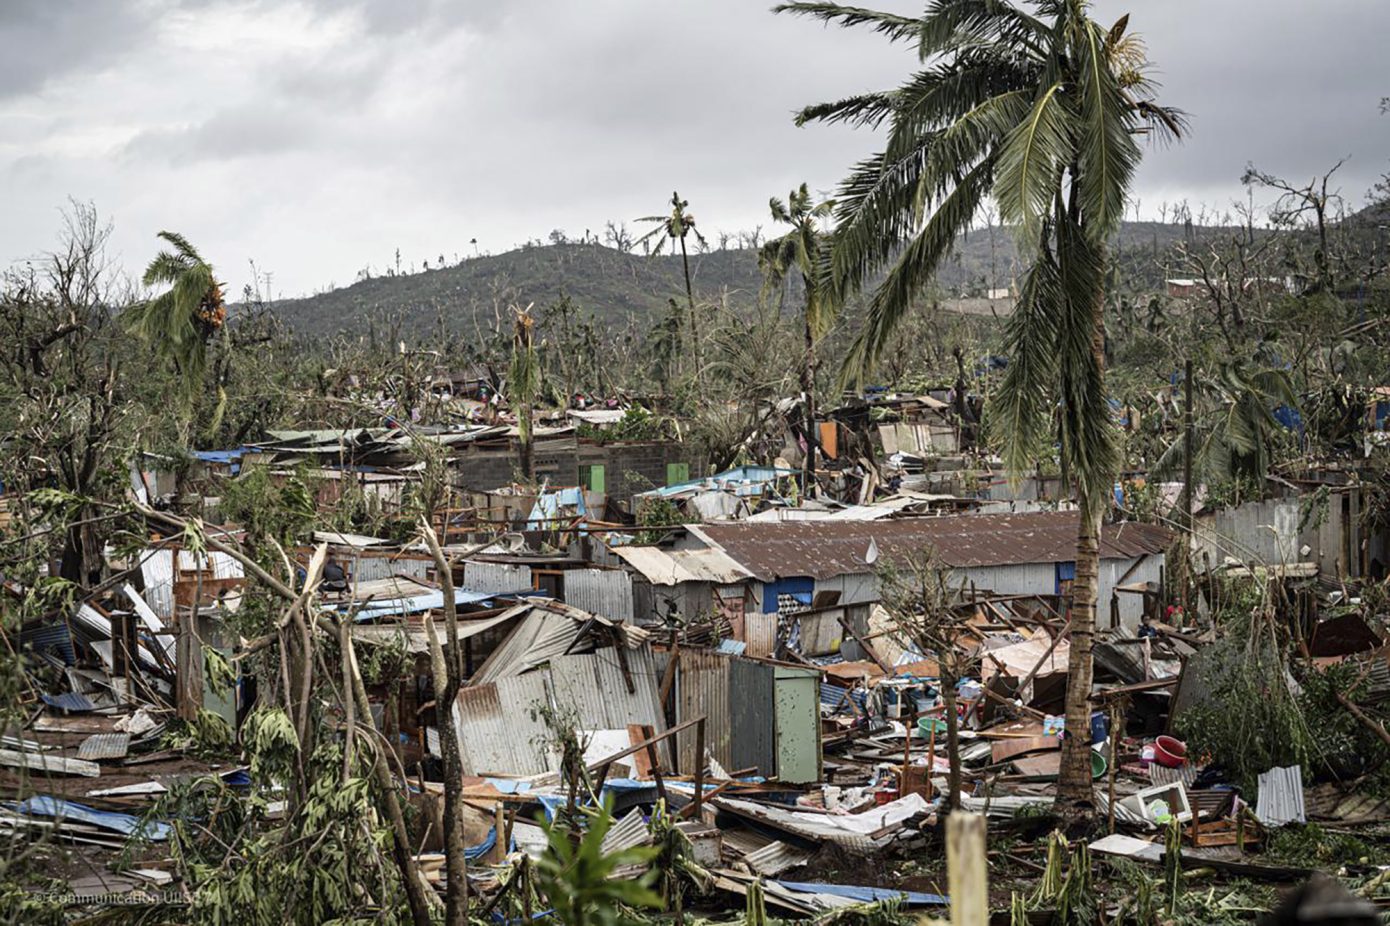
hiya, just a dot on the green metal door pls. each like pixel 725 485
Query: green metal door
pixel 797 697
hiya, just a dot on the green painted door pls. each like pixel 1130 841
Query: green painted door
pixel 797 697
pixel 677 473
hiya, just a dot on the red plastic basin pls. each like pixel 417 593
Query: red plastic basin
pixel 1170 752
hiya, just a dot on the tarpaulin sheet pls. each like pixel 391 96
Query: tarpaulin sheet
pixel 45 806
pixel 867 894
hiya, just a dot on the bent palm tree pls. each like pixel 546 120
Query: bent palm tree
pixel 676 227
pixel 803 250
pixel 1037 105
pixel 179 322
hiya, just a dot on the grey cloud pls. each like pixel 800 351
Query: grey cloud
pixel 41 40
pixel 435 121
pixel 241 132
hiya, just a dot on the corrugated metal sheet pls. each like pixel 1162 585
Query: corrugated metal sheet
pixel 104 746
pixel 157 567
pixel 776 857
pixel 364 568
pixel 600 591
pixel 760 633
pixel 672 567
pixel 822 549
pixel 1281 797
pixel 753 732
pixel 628 833
pixel 496 731
pixel 702 687
pixel 497 578
pixel 594 685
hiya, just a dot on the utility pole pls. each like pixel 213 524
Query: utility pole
pixel 1187 520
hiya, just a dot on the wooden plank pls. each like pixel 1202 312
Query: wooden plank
pixel 58 765
pixel 1003 750
pixel 966 869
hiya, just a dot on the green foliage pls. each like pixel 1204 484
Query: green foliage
pixel 270 507
pixel 582 882
pixel 324 859
pixel 207 735
pixel 179 322
pixel 655 513
pixel 637 424
pixel 1311 846
pixel 1250 721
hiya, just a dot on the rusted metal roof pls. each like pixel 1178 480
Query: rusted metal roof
pixel 824 549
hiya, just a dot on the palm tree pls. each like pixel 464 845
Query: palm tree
pixel 1037 105
pixel 524 383
pixel 805 251
pixel 677 227
pixel 180 321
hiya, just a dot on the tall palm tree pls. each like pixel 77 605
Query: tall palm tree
pixel 181 321
pixel 676 227
pixel 1037 105
pixel 803 250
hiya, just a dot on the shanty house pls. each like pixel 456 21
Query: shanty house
pixel 792 563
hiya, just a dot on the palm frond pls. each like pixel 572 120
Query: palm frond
pixel 949 24
pixel 895 27
pixel 1108 153
pixel 1021 409
pixel 1031 161
pixel 866 109
pixel 1088 435
pixel 914 268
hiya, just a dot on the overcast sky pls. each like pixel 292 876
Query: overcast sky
pixel 317 136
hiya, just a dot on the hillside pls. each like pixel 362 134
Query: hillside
pixel 616 286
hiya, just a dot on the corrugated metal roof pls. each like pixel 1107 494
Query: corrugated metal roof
pixel 776 857
pixel 548 629
pixel 824 549
pixel 497 732
pixel 672 567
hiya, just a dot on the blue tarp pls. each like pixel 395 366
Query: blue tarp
pixel 232 457
pixel 123 823
pixel 866 894
pixel 732 647
pixel 486 846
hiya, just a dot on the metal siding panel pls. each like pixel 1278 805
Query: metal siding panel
pixel 606 592
pixel 372 568
pixel 595 686
pixel 753 737
pixel 702 687
pixel 497 734
pixel 497 578
pixel 821 633
pixel 760 633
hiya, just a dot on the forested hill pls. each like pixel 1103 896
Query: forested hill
pixel 616 286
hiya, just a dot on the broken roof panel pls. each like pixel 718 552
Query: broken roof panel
pixel 823 549
pixel 672 567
